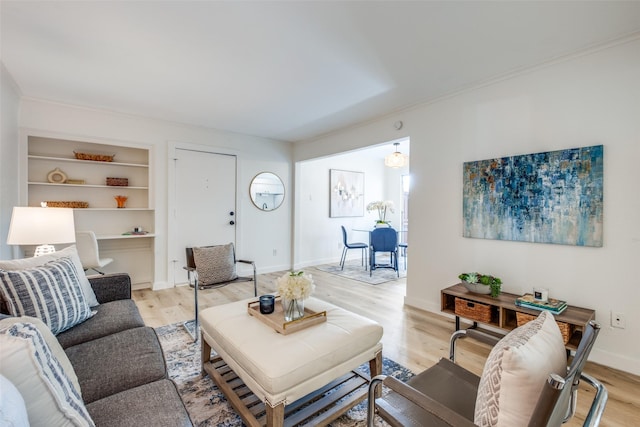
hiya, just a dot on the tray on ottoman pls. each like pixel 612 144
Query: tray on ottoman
pixel 276 319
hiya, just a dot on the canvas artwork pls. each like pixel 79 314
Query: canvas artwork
pixel 346 193
pixel 551 197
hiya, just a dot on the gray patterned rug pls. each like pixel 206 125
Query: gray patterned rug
pixel 207 405
pixel 353 269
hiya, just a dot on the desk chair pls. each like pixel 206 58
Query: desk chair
pixel 347 246
pixel 87 245
pixel 525 381
pixel 384 239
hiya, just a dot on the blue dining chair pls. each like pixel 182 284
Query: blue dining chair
pixel 347 246
pixel 384 240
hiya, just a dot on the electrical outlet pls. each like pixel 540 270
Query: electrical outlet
pixel 618 320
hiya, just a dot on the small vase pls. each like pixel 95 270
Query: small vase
pixel 293 309
pixel 121 201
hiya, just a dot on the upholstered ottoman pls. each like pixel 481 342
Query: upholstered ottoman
pixel 281 371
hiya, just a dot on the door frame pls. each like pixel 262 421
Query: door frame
pixel 172 146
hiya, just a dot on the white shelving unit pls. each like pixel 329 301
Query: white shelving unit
pixel 133 254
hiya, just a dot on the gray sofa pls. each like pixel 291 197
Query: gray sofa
pixel 119 362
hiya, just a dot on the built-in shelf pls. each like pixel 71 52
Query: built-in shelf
pixel 57 184
pixel 134 254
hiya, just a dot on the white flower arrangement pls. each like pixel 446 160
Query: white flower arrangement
pixel 295 285
pixel 382 207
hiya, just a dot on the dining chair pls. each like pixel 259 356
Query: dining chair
pixel 402 250
pixel 384 240
pixel 355 245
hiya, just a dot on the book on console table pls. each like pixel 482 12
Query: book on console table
pixel 553 305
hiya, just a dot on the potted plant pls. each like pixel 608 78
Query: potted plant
pixel 382 207
pixel 481 283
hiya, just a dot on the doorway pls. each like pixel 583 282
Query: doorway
pixel 205 204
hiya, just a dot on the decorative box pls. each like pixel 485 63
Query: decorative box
pixel 118 182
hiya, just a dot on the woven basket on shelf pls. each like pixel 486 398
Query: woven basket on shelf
pixel 65 204
pixel 117 182
pixel 96 157
pixel 473 310
pixel 565 328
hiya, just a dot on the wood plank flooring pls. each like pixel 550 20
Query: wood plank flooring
pixel 414 338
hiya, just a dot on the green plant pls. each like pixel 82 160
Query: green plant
pixel 484 279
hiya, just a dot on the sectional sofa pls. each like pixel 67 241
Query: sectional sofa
pixel 108 369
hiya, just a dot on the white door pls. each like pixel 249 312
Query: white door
pixel 205 203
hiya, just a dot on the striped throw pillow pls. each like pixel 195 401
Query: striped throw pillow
pixel 51 292
pixel 50 398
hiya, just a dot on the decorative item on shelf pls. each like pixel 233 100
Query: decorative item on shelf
pixel 67 204
pixel 117 182
pixel 121 201
pixel 382 207
pixel 565 329
pixel 481 283
pixel 267 304
pixel 96 157
pixel 294 288
pixel 75 181
pixel 56 176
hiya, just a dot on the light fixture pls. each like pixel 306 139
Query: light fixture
pixel 41 226
pixel 396 159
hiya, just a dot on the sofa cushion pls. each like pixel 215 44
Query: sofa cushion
pixel 52 342
pixel 111 317
pixel 516 370
pixel 13 410
pixel 51 292
pixel 117 362
pixel 27 361
pixel 70 252
pixel 155 404
pixel 215 264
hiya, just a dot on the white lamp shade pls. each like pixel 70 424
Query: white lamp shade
pixel 396 160
pixel 36 226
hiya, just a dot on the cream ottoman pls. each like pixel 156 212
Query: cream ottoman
pixel 281 369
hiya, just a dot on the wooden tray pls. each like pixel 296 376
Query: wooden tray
pixel 276 321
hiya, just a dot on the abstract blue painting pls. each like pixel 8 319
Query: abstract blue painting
pixel 551 197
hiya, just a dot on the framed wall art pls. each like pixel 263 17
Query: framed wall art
pixel 346 193
pixel 550 197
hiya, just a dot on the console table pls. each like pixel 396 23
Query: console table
pixel 501 312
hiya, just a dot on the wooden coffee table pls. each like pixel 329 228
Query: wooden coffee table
pixel 274 379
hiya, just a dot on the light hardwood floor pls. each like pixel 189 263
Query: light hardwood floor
pixel 412 337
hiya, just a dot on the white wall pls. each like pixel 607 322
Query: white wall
pixel 318 237
pixel 257 232
pixel 580 101
pixel 9 191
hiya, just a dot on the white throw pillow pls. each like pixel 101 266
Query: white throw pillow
pixel 13 411
pixel 51 293
pixel 215 264
pixel 52 342
pixel 516 371
pixel 27 361
pixel 69 251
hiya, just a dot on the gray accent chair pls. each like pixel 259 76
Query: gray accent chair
pixel 445 394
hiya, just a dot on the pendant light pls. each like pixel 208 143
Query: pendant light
pixel 396 159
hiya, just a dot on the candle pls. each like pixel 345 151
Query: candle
pixel 267 304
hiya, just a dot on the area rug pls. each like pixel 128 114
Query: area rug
pixel 207 405
pixel 353 269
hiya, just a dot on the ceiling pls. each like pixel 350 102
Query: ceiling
pixel 289 70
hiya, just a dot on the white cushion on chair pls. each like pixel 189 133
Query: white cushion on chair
pixel 215 264
pixel 516 371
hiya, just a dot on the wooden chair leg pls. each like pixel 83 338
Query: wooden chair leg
pixel 275 416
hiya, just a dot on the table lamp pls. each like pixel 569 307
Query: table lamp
pixel 41 226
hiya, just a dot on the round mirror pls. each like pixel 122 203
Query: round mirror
pixel 266 191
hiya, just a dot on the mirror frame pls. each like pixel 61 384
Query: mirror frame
pixel 264 205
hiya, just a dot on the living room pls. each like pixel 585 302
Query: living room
pixel 580 98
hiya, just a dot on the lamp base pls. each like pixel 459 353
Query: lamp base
pixel 44 250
